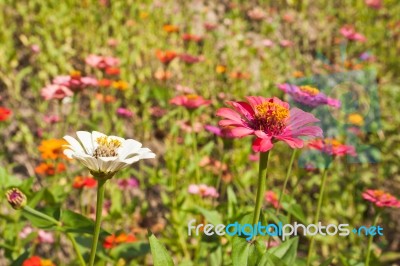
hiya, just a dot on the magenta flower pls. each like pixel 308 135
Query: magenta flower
pixel 128 183
pixel 124 112
pixel 57 92
pixel 381 198
pixel 332 147
pixel 349 32
pixel 308 95
pixel 191 59
pixel 75 81
pixel 101 62
pixel 268 119
pixel 203 190
pixel 51 119
pixel 218 131
pixel 190 101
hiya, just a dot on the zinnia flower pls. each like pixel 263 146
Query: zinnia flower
pixel 332 147
pixel 191 37
pixel 350 33
pixel 355 119
pixel 375 4
pixel 165 57
pixel 203 190
pixel 4 113
pixel 75 81
pixel 84 182
pixel 37 261
pixel 52 148
pixel 101 62
pixel 308 95
pixel 381 198
pixel 113 240
pixel 190 59
pixel 124 112
pixel 218 131
pixel 127 183
pixel 49 169
pixel 272 198
pixel 55 91
pixel 268 119
pixel 105 155
pixel 190 101
pixel 16 198
pixel 168 28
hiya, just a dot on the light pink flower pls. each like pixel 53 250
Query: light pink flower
pixel 57 92
pixel 203 190
pixel 75 82
pixel 349 32
pixel 268 43
pixel 128 183
pixel 190 101
pixel 375 4
pixel 35 48
pixel 272 198
pixel 45 237
pixel 184 89
pixel 51 119
pixel 268 119
pixel 25 232
pixel 101 62
pixel 286 43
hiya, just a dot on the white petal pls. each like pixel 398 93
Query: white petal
pixel 74 144
pixel 88 161
pixel 106 163
pixel 69 153
pixel 148 155
pixel 86 140
pixel 130 146
pixel 118 165
pixel 131 160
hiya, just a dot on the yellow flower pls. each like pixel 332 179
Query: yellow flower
pixel 143 15
pixel 355 119
pixel 120 85
pixel 220 69
pixel 52 148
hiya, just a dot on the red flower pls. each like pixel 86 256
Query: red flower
pixel 4 113
pixel 332 147
pixel 190 101
pixel 268 119
pixel 165 57
pixel 49 169
pixel 33 261
pixel 190 59
pixel 381 198
pixel 84 182
pixel 112 71
pixel 191 37
pixel 104 83
pixel 272 198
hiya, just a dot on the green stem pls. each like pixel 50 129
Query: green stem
pixel 262 174
pixel 41 215
pixel 289 171
pixel 377 215
pixel 99 210
pixel 75 246
pixel 321 196
pixel 195 147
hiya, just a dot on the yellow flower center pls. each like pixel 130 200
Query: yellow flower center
pixel 107 147
pixel 75 74
pixel 192 96
pixel 270 117
pixel 309 90
pixel 332 142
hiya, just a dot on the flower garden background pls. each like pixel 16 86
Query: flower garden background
pixel 121 121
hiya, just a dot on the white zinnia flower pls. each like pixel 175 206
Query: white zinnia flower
pixel 105 155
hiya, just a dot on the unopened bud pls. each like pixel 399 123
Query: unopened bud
pixel 16 198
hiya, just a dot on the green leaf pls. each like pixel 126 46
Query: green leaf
pixel 271 260
pixel 327 262
pixel 76 223
pixel 212 216
pixel 286 251
pixel 40 222
pixel 240 251
pixel 130 251
pixel 159 253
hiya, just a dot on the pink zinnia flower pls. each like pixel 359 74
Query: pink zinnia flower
pixel 124 112
pixel 267 43
pixel 350 33
pixel 35 48
pixel 308 95
pixel 75 81
pixel 51 119
pixel 203 190
pixel 218 131
pixel 57 92
pixel 101 62
pixel 375 4
pixel 128 183
pixel 184 89
pixel 190 59
pixel 332 147
pixel 272 198
pixel 45 237
pixel 268 119
pixel 25 232
pixel 286 43
pixel 381 198
pixel 190 101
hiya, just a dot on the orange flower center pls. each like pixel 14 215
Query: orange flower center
pixel 192 96
pixel 270 117
pixel 75 74
pixel 309 90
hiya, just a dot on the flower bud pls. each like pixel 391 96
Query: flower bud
pixel 16 198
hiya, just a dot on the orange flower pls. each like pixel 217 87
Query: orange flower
pixel 49 169
pixel 165 57
pixel 120 85
pixel 220 69
pixel 112 70
pixel 240 75
pixel 112 240
pixel 104 82
pixel 37 261
pixel 105 98
pixel 162 75
pixel 168 28
pixel 52 148
pixel 298 74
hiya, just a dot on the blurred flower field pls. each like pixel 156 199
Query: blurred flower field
pixel 126 124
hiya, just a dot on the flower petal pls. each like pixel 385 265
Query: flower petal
pixel 299 118
pixel 229 114
pixel 128 147
pixel 243 108
pixel 74 144
pixel 262 144
pixel 291 141
pixel 239 132
pixel 86 139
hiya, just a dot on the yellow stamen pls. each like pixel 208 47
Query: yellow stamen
pixel 192 96
pixel 309 90
pixel 270 110
pixel 107 147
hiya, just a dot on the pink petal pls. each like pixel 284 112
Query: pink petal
pixel 227 123
pixel 299 118
pixel 312 131
pixel 292 142
pixel 239 132
pixel 256 100
pixel 229 114
pixel 262 145
pixel 243 108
